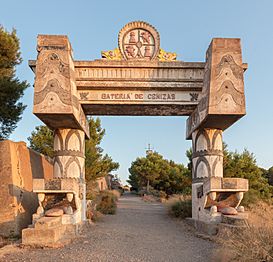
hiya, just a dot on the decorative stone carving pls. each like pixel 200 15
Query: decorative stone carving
pixel 41 198
pixel 111 54
pixel 207 157
pixel 222 99
pixel 227 61
pixel 166 56
pixel 69 196
pixel 55 95
pixel 69 153
pixel 53 64
pixel 139 40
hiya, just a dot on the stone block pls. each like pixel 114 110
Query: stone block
pixel 222 100
pixel 48 222
pixel 42 237
pixel 237 220
pixel 227 184
pixel 54 212
pixel 56 100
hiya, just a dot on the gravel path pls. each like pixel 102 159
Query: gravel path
pixel 138 232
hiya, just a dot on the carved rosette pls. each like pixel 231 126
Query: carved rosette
pixel 69 148
pixel 139 40
pixel 207 157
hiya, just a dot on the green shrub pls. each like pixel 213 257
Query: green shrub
pixel 181 208
pixel 107 203
pixel 250 197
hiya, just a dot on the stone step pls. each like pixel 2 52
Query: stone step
pixel 223 228
pixel 42 237
pixel 234 220
pixel 48 222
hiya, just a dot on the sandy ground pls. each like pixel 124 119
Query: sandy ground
pixel 138 232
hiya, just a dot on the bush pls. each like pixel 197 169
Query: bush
pixel 250 197
pixel 107 203
pixel 116 193
pixel 181 208
pixel 96 216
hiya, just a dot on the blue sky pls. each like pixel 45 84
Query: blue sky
pixel 185 27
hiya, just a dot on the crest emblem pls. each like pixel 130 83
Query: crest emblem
pixel 139 40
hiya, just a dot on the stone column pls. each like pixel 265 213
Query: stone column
pixel 69 150
pixel 69 159
pixel 207 161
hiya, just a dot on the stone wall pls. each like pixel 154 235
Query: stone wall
pixel 18 166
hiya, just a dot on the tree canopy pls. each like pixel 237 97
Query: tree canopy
pixel 170 177
pixel 159 173
pixel 96 163
pixel 41 140
pixel 244 165
pixel 11 88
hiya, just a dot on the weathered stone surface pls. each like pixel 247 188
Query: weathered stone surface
pixel 225 184
pixel 237 220
pixel 18 166
pixel 42 237
pixel 55 93
pixel 48 222
pixel 222 100
pixel 54 212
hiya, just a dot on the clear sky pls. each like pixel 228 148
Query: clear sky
pixel 185 27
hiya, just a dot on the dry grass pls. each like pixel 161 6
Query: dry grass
pixel 261 214
pixel 254 243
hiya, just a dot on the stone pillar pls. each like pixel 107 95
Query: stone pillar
pixel 207 161
pixel 69 148
pixel 69 159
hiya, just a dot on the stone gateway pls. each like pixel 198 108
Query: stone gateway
pixel 138 78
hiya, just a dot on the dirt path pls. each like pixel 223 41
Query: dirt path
pixel 138 232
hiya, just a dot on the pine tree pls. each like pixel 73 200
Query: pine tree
pixel 11 88
pixel 41 140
